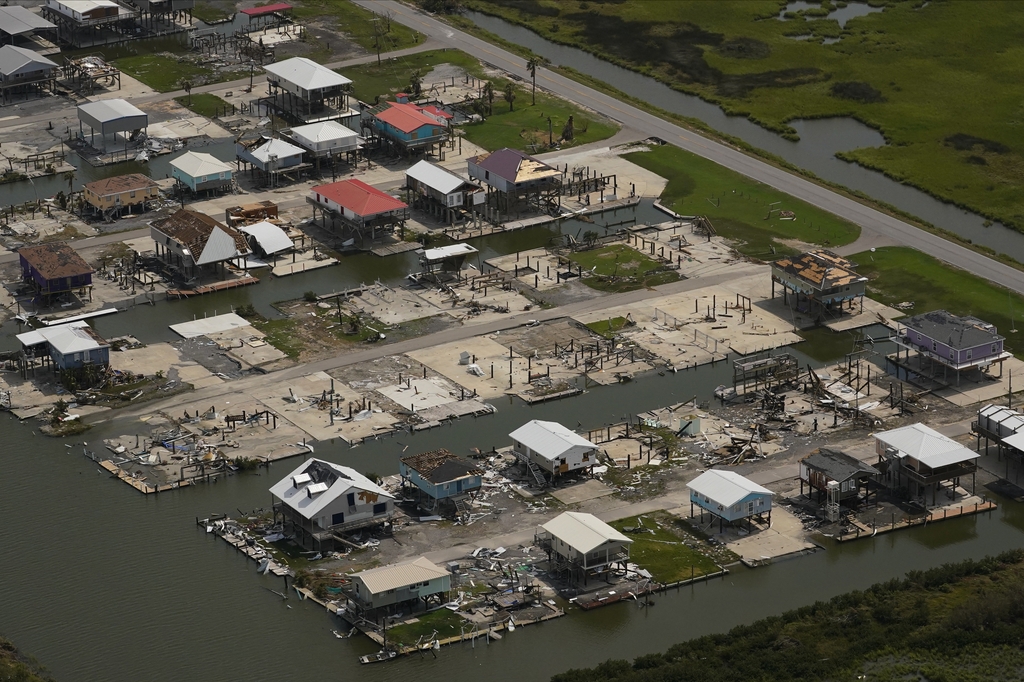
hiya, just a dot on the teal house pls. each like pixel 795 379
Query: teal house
pixel 440 476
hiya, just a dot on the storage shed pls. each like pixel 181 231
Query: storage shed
pixel 109 117
pixel 729 497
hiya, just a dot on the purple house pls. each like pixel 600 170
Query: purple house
pixel 951 342
pixel 54 270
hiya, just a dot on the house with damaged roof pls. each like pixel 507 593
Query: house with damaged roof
pixel 819 283
pixel 320 499
pixel 54 270
pixel 192 241
pixel 514 178
pixel 442 478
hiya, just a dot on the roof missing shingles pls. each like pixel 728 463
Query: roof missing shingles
pixel 821 268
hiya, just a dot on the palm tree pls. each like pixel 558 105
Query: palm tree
pixel 71 176
pixel 510 95
pixel 489 95
pixel 531 65
pixel 186 85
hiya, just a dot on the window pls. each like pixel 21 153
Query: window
pixel 970 352
pixel 952 353
pixel 351 499
pixel 202 179
pixel 337 518
pixel 935 345
pixel 380 508
pixel 995 347
pixel 415 135
pixel 131 195
pixel 487 175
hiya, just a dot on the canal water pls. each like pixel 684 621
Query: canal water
pixel 110 584
pixel 819 140
pixel 150 323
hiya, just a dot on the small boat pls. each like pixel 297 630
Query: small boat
pixel 379 657
pixel 264 565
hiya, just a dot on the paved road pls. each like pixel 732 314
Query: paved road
pixel 871 221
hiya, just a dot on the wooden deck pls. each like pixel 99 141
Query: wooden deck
pixel 397 247
pixel 866 531
pixel 140 483
pixel 211 288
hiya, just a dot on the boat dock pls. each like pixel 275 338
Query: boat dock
pixel 212 288
pixel 139 483
pixel 862 530
pixel 397 247
pixel 464 233
pixel 228 531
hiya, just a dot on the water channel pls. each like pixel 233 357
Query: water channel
pixel 819 140
pixel 114 585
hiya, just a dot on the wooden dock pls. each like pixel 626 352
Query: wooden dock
pixel 397 247
pixel 462 234
pixel 140 483
pixel 212 288
pixel 866 531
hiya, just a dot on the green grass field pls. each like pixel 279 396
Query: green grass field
pixel 524 126
pixel 166 74
pixel 446 623
pixel 203 104
pixel 619 268
pixel 358 24
pixel 608 328
pixel 663 552
pixel 938 79
pixel 738 207
pixel 207 12
pixel 898 274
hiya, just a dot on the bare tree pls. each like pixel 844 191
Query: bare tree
pixel 186 85
pixel 489 95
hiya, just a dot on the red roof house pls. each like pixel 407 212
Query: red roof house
pixel 358 202
pixel 408 125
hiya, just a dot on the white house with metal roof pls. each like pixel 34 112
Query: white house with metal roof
pixel 427 180
pixel 581 543
pixel 24 71
pixel 326 138
pixel 729 496
pixel 319 498
pixel 552 447
pixel 111 116
pixel 415 580
pixel 200 171
pixel 919 455
pixel 271 155
pixel 306 89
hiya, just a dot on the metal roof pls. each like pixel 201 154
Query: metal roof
pixel 926 445
pixel 16 20
pixel 37 336
pixel 436 177
pixel 340 480
pixel 1015 441
pixel 837 465
pixel 1004 416
pixel 548 439
pixel 326 131
pixel 583 532
pixel 823 269
pixel 55 260
pixel 107 110
pixel 405 117
pixel 360 198
pixel 959 332
pixel 278 148
pixel 198 164
pixel 306 74
pixel 442 252
pixel 397 576
pixel 725 487
pixel 270 237
pixel 74 337
pixel 18 60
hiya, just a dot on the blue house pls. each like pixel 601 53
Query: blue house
pixel 199 172
pixel 407 126
pixel 71 346
pixel 441 477
pixel 951 341
pixel 729 496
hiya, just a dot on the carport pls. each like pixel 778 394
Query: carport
pixel 112 116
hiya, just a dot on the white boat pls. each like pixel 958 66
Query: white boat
pixel 264 565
